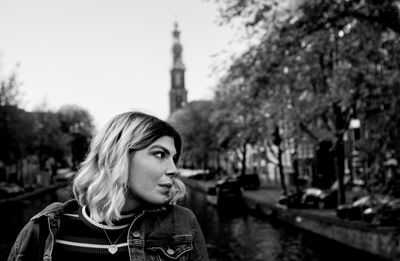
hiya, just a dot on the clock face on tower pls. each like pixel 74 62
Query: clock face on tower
pixel 178 78
pixel 177 48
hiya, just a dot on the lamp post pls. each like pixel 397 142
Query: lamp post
pixel 354 127
pixel 341 126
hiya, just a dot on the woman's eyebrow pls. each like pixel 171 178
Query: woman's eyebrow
pixel 156 146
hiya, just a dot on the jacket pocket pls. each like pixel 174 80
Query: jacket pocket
pixel 173 248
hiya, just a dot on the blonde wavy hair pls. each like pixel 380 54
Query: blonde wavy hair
pixel 101 183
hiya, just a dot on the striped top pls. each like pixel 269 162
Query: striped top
pixel 81 238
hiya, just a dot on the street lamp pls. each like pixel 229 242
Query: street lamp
pixel 355 125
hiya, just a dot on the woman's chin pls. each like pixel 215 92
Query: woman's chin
pixel 159 200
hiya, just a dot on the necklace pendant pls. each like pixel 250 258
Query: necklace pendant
pixel 112 249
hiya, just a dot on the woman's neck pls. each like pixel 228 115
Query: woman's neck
pixel 132 203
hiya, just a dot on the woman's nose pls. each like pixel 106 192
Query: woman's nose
pixel 172 170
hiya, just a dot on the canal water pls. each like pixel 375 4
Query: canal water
pixel 233 235
pixel 236 234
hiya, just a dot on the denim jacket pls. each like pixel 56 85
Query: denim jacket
pixel 165 233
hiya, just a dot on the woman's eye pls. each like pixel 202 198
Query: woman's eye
pixel 159 154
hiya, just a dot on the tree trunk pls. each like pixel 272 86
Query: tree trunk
pixel 218 163
pixel 296 173
pixel 281 174
pixel 340 169
pixel 244 154
pixel 205 161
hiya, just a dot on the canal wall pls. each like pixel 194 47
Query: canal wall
pixel 380 241
pixel 35 192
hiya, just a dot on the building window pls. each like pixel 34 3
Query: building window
pixel 305 151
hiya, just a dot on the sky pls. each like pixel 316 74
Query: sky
pixel 109 56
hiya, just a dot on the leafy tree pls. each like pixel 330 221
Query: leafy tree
pixel 193 123
pixel 238 116
pixel 14 122
pixel 16 125
pixel 78 124
pixel 314 14
pixel 50 141
pixel 320 63
pixel 9 90
pixel 16 134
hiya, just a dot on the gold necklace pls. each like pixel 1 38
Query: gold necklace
pixel 113 248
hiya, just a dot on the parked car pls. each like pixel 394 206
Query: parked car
pixel 10 189
pixel 378 210
pixel 310 198
pixel 387 214
pixel 201 175
pixel 249 181
pixel 361 209
pixel 226 192
pixel 65 175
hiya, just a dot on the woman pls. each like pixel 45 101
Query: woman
pixel 125 202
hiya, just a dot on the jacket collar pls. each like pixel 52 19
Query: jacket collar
pixel 55 210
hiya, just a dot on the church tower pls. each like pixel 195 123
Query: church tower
pixel 177 93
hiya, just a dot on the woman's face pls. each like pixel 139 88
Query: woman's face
pixel 151 171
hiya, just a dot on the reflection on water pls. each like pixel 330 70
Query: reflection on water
pixel 15 215
pixel 236 235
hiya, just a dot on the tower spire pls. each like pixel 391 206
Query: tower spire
pixel 177 48
pixel 177 93
pixel 176 32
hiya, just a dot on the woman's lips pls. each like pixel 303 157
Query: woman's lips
pixel 166 187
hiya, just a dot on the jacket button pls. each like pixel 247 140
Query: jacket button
pixel 170 251
pixel 136 234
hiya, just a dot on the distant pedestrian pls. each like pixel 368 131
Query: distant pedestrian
pixel 125 202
